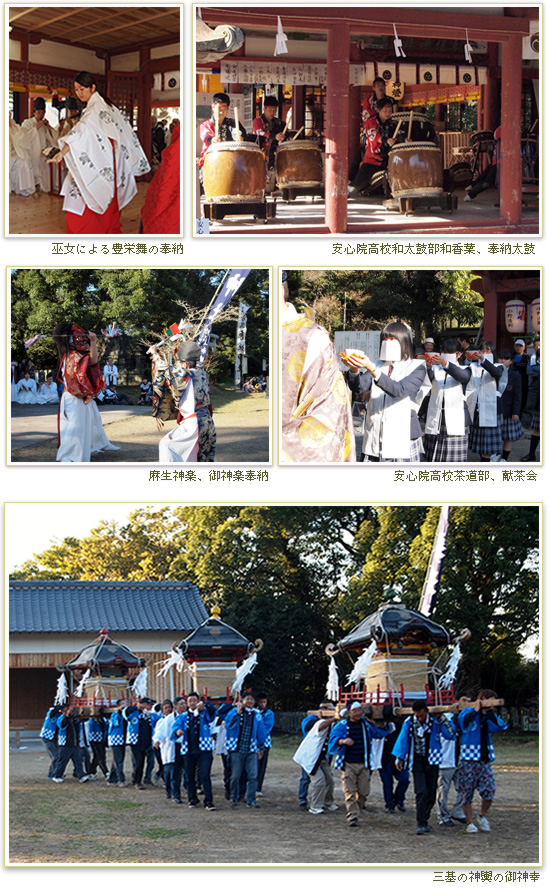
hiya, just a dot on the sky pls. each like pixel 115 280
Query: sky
pixel 44 522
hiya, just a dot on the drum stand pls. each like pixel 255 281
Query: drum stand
pixel 444 201
pixel 290 193
pixel 260 210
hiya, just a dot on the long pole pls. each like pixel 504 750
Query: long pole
pixel 204 317
pixel 345 311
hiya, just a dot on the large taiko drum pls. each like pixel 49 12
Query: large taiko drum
pixel 298 165
pixel 415 170
pixel 234 173
pixel 422 128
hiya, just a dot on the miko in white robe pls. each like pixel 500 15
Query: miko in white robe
pixel 104 156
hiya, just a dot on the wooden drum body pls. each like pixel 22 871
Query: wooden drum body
pixel 234 172
pixel 299 165
pixel 415 170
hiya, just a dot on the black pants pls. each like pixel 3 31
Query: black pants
pixel 99 758
pixel 201 763
pixel 261 768
pixel 138 764
pixel 365 174
pixel 178 772
pixel 425 788
pixel 66 754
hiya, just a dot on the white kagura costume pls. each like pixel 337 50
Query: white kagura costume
pixel 105 154
pixel 80 427
pixel 26 391
pixel 180 445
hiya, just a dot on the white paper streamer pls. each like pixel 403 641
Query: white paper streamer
pixel 362 663
pixel 398 45
pixel 140 684
pixel 451 669
pixel 468 49
pixel 174 658
pixel 247 666
pixel 332 687
pixel 62 693
pixel 280 45
pixel 80 689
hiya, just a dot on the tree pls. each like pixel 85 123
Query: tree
pixel 423 298
pixel 142 301
pixel 301 577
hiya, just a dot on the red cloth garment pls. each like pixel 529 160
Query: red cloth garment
pixel 81 379
pixel 91 223
pixel 373 142
pixel 161 211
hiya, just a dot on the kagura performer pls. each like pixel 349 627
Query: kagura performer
pixel 103 156
pixel 182 391
pixel 79 422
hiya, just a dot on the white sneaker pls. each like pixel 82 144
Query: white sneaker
pixel 259 794
pixel 471 828
pixel 57 780
pixel 84 779
pixel 333 807
pixel 483 823
pixel 316 810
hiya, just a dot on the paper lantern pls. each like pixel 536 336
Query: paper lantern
pixel 534 311
pixel 515 316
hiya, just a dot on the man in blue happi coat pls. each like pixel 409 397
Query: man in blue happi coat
pixel 245 741
pixel 192 730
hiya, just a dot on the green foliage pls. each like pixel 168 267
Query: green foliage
pixel 301 577
pixel 427 300
pixel 142 301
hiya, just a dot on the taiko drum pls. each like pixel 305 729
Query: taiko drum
pixel 298 165
pixel 415 170
pixel 234 172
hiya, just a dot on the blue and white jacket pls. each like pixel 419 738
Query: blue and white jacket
pixel 258 736
pixel 133 716
pixel 404 746
pixel 116 735
pixel 341 731
pixel 269 721
pixel 470 734
pixel 97 729
pixel 205 740
pixel 49 727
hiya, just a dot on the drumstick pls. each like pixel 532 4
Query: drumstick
pixel 297 134
pixel 285 128
pixel 410 124
pixel 534 125
pixel 216 118
pixel 236 122
pixel 397 129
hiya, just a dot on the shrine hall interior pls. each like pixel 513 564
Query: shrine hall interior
pixel 135 53
pixel 333 55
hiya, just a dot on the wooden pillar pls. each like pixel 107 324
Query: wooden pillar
pixel 337 127
pixel 355 120
pixel 298 107
pixel 144 102
pixel 510 167
pixel 491 114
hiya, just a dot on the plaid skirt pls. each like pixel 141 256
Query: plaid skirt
pixel 511 430
pixel 536 419
pixel 416 451
pixel 443 448
pixel 485 440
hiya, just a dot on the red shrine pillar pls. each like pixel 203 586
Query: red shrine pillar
pixel 490 309
pixel 144 102
pixel 337 127
pixel 510 167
